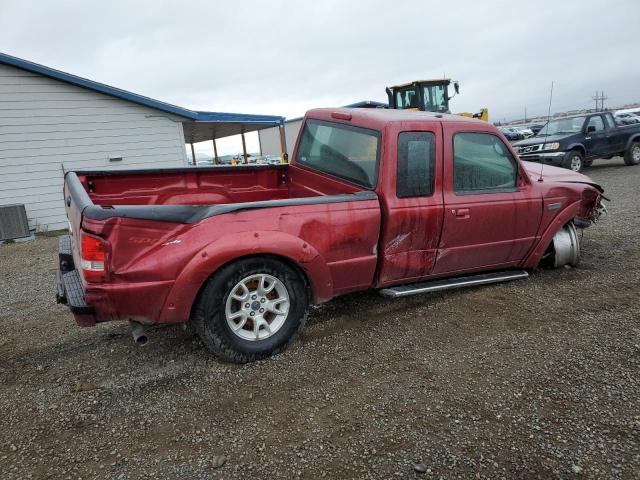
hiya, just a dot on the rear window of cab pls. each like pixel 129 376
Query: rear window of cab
pixel 344 151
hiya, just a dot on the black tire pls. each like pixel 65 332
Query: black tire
pixel 573 158
pixel 210 320
pixel 632 155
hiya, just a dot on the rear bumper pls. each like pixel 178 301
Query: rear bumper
pixel 70 292
pixel 69 288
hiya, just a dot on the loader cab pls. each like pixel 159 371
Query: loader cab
pixel 423 95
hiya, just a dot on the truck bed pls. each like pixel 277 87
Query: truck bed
pixel 187 195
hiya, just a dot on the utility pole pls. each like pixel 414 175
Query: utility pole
pixel 599 96
pixel 525 114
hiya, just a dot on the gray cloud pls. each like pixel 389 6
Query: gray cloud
pixel 284 57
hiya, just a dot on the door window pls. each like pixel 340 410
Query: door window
pixel 608 119
pixel 596 122
pixel 482 163
pixel 416 164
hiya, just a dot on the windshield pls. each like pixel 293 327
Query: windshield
pixel 562 125
pixel 435 98
pixel 340 150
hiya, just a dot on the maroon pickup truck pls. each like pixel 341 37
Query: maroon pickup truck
pixel 404 202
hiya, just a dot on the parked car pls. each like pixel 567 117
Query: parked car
pixel 574 142
pixel 626 118
pixel 402 202
pixel 535 127
pixel 511 133
pixel 273 159
pixel 525 131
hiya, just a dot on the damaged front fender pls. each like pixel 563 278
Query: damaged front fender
pixel 591 208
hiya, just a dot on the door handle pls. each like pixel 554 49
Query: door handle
pixel 460 212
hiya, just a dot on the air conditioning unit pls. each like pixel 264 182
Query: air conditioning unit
pixel 13 222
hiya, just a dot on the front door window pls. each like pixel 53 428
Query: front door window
pixel 482 163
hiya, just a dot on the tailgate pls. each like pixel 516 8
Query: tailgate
pixel 69 281
pixel 76 200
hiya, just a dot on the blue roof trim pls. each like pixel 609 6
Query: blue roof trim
pixel 135 98
pixel 237 117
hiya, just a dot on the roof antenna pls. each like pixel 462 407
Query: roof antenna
pixel 546 131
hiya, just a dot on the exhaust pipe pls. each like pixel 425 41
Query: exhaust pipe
pixel 139 333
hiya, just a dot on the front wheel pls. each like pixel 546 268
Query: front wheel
pixel 573 161
pixel 251 309
pixel 632 155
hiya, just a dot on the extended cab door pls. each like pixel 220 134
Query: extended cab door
pixel 596 140
pixel 617 136
pixel 411 198
pixel 491 211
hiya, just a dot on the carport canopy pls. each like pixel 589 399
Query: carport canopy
pixel 213 125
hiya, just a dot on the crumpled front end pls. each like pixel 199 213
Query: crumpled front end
pixel 591 208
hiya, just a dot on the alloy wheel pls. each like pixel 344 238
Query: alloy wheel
pixel 257 307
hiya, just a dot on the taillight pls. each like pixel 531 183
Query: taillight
pixel 94 258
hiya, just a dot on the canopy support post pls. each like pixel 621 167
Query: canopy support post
pixel 244 149
pixel 215 152
pixel 193 154
pixel 283 146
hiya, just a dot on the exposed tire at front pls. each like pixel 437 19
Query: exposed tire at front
pixel 574 160
pixel 632 155
pixel 251 309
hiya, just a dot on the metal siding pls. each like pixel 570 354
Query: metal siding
pixel 48 125
pixel 270 138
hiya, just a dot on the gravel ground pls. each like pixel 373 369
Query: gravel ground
pixel 531 379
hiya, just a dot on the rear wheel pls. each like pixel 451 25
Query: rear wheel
pixel 573 160
pixel 632 155
pixel 251 309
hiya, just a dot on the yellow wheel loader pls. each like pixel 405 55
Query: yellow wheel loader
pixel 428 96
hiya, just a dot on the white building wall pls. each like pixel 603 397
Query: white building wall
pixel 270 138
pixel 48 127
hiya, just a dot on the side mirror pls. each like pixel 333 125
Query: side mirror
pixel 591 128
pixel 456 87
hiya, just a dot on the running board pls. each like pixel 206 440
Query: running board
pixel 451 283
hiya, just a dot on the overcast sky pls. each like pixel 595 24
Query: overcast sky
pixel 284 57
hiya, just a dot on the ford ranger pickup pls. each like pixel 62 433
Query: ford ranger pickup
pixel 575 142
pixel 399 201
